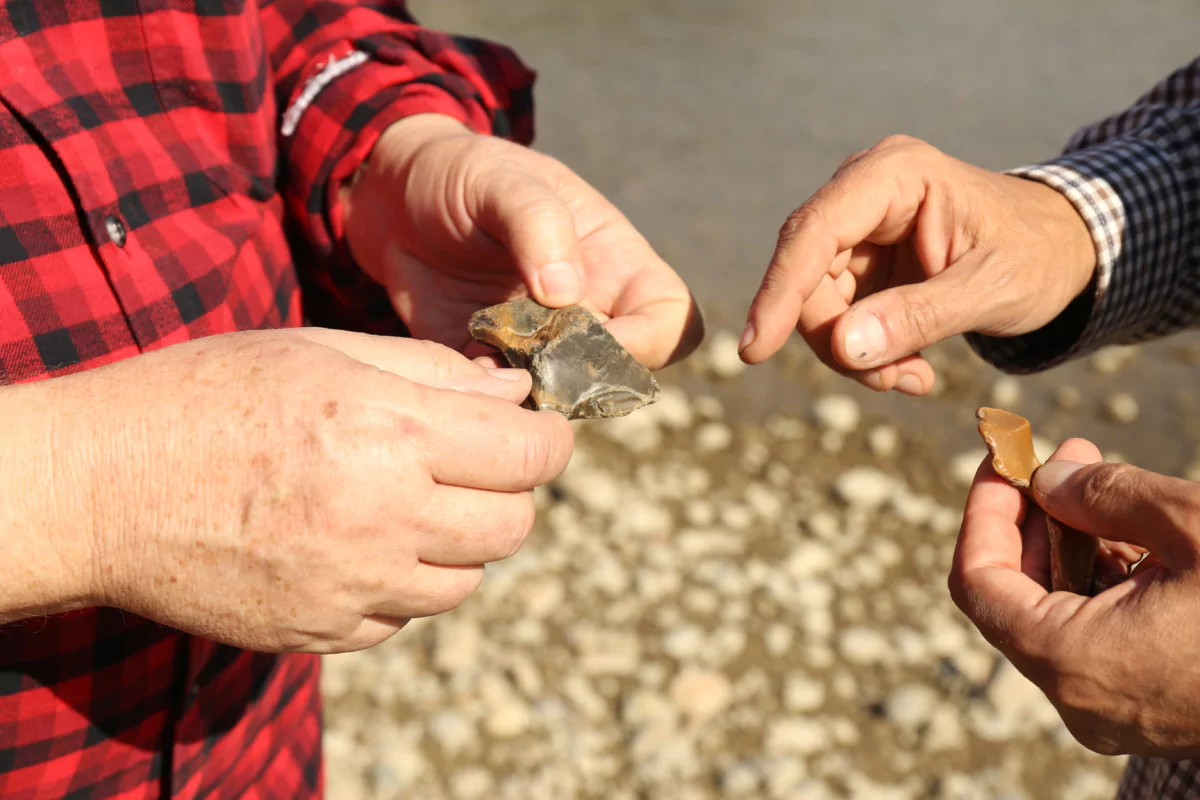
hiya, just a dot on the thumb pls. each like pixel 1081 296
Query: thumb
pixel 527 215
pixel 1124 504
pixel 904 320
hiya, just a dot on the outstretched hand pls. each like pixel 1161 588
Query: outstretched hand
pixel 906 246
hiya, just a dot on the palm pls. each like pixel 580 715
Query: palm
pixel 449 262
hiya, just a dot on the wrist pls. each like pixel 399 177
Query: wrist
pixel 1065 231
pixel 47 515
pixel 387 165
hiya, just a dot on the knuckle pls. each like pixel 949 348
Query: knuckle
pixel 542 206
pixel 547 449
pixel 539 449
pixel 438 361
pixel 852 158
pixel 923 321
pixel 406 423
pixel 455 593
pixel 1099 485
pixel 521 525
pixel 901 141
pixel 805 218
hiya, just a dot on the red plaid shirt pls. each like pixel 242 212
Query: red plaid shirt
pixel 161 164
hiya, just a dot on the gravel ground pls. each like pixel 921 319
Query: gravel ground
pixel 715 609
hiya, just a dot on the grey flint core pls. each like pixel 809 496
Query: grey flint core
pixel 578 368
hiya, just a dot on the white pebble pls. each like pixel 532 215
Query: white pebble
pixel 457 645
pixel 910 707
pixel 786 429
pixel 883 441
pixel 863 646
pixel 708 407
pixel 1113 359
pixel 801 693
pixel 836 412
pixel 740 780
pixel 1088 784
pixel 823 525
pixel 736 516
pixel 723 359
pixel 964 465
pixel 453 731
pixel 778 639
pixel 765 503
pixel 974 665
pixel 684 642
pixel 700 695
pixel 796 736
pixel 509 719
pixel 542 596
pixel 594 489
pixel 699 513
pixel 1122 408
pixel 471 783
pixel 672 409
pixel 584 698
pixel 808 559
pixel 945 732
pixel 865 487
pixel 1068 398
pixel 713 437
pixel 1006 392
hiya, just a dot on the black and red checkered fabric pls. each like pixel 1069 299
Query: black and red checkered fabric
pixel 149 196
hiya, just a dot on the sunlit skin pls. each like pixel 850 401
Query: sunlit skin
pixel 450 221
pixel 291 490
pixel 906 246
pixel 1119 667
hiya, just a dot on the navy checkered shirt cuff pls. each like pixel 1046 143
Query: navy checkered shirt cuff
pixel 1128 193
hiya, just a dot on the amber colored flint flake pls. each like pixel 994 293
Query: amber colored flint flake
pixel 1073 554
pixel 578 368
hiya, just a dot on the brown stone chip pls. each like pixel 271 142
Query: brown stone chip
pixel 1010 440
pixel 1073 554
pixel 578 368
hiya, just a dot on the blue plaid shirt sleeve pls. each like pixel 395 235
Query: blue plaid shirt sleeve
pixel 1135 179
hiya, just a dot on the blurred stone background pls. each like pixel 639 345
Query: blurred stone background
pixel 740 592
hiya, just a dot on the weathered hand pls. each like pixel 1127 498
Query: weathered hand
pixel 301 489
pixel 906 246
pixel 1119 667
pixel 451 222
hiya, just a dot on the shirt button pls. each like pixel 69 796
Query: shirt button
pixel 116 230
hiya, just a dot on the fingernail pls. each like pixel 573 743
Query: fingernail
pixel 506 373
pixel 1051 475
pixel 910 384
pixel 866 341
pixel 747 337
pixel 561 282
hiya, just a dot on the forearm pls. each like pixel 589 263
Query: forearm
pixel 47 561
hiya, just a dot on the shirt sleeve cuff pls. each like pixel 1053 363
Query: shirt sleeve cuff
pixel 1126 191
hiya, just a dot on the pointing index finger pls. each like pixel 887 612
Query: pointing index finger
pixel 871 198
